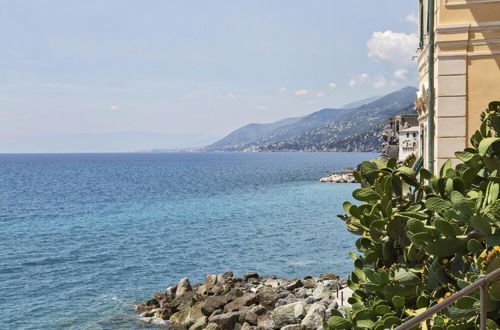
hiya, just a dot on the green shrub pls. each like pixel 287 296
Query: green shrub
pixel 410 160
pixel 424 237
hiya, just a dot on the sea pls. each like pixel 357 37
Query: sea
pixel 85 237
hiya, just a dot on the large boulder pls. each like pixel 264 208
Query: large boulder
pixel 183 287
pixel 247 299
pixel 148 305
pixel 189 317
pixel 265 322
pixel 309 282
pixel 211 279
pixel 284 315
pixel 212 326
pixel 170 292
pixel 224 278
pixel 163 313
pixel 321 292
pixel 291 327
pixel 328 276
pixel 314 317
pixel 183 301
pixel 225 321
pixel 250 275
pixel 213 303
pixel 294 284
pixel 268 297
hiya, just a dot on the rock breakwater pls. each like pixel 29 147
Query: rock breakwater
pixel 345 177
pixel 250 302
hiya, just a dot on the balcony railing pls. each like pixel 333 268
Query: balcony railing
pixel 481 283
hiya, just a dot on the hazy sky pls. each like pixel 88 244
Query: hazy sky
pixel 193 67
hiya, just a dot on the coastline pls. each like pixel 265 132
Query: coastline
pixel 250 302
pixel 345 176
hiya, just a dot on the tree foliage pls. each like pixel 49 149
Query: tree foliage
pixel 423 237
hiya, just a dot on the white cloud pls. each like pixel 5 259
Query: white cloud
pixel 114 108
pixel 261 107
pixel 332 85
pixel 401 74
pixel 320 94
pixel 379 82
pixel 411 17
pixel 358 79
pixel 311 102
pixel 393 46
pixel 225 96
pixel 282 89
pixel 301 92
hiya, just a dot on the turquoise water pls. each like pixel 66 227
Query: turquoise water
pixel 84 237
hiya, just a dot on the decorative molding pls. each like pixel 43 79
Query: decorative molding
pixel 469 54
pixel 468 2
pixel 464 27
pixel 470 42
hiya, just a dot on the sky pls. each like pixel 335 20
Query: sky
pixel 189 68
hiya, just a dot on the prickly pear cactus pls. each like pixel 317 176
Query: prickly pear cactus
pixel 423 237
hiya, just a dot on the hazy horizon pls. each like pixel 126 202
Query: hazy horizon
pixel 191 70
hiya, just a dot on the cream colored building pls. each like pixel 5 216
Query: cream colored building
pixel 408 142
pixel 466 58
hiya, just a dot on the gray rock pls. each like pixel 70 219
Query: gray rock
pixel 285 301
pixel 259 310
pixel 250 275
pixel 300 310
pixel 273 283
pixel 309 283
pixel 183 287
pixel 183 301
pixel 245 300
pixel 249 316
pixel 224 278
pixel 332 284
pixel 314 317
pixel 328 276
pixel 268 297
pixel 283 294
pixel 235 293
pixel 247 326
pixel 291 327
pixel 213 303
pixel 284 315
pixel 321 292
pixel 212 326
pixel 265 322
pixel 225 321
pixel 211 279
pixel 170 292
pixel 294 284
pixel 310 300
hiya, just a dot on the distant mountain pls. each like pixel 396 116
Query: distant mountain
pixel 357 130
pixel 262 134
pixel 357 127
pixel 251 133
pixel 359 103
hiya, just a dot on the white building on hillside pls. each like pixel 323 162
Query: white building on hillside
pixel 408 142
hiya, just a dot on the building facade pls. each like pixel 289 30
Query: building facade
pixel 460 45
pixel 408 142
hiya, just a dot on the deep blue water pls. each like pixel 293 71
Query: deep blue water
pixel 85 236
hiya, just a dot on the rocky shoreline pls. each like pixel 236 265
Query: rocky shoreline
pixel 250 302
pixel 342 177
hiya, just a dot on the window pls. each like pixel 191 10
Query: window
pixel 407 135
pixel 414 134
